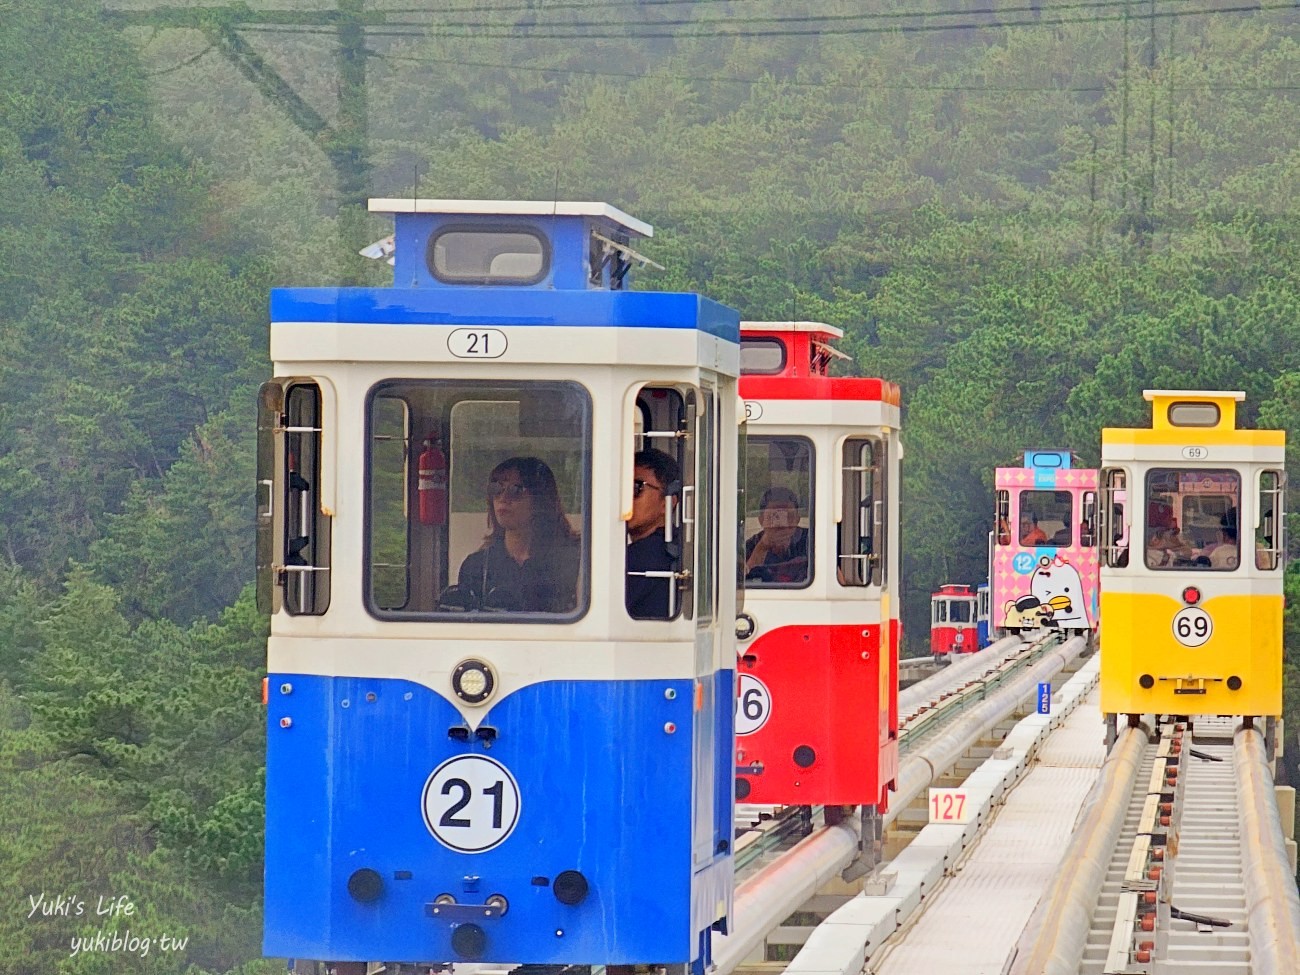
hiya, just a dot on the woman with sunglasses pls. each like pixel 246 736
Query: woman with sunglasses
pixel 528 562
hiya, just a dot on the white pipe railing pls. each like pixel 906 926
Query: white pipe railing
pixel 1272 903
pixel 771 895
pixel 955 674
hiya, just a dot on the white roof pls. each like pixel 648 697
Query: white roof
pixel 513 208
pixel 1236 394
pixel 792 327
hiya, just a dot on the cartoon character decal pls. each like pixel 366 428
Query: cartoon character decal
pixel 1026 613
pixel 1055 598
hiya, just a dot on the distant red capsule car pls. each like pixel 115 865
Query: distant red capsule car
pixel 953 621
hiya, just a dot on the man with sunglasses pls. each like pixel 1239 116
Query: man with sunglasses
pixel 655 477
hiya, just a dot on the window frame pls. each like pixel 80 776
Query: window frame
pixel 480 230
pixel 1180 514
pixel 1088 519
pixel 305 586
pixel 1115 545
pixel 756 342
pixel 1002 516
pixel 493 391
pixel 1270 503
pixel 1067 522
pixel 859 476
pixel 680 442
pixel 769 439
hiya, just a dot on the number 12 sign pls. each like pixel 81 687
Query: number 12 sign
pixel 949 807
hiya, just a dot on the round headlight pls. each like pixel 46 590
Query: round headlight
pixel 473 681
pixel 745 626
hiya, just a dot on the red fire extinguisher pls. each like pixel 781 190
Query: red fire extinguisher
pixel 431 483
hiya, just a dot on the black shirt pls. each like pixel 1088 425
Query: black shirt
pixel 647 599
pixel 547 582
pixel 788 566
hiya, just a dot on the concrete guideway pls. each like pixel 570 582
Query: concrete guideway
pixel 1180 864
pixel 769 897
pixel 970 924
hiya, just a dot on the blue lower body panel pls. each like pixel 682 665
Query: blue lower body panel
pixel 386 835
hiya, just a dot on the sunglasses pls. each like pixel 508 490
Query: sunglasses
pixel 639 485
pixel 514 490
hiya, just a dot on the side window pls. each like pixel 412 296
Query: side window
pixel 1112 518
pixel 706 507
pixel 1088 520
pixel 1002 517
pixel 1269 543
pixel 779 526
pixel 862 533
pixel 306 529
pixel 688 501
pixel 742 495
pixel 477 501
pixel 1046 519
pixel 761 356
pixel 662 529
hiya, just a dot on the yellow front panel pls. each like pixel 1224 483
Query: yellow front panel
pixel 1138 636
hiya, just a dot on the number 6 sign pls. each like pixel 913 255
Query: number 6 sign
pixel 753 706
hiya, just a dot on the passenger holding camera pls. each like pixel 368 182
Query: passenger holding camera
pixel 778 553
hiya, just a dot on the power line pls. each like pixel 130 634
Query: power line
pixel 714 79
pixel 807 19
pixel 485 12
pixel 599 5
pixel 181 64
pixel 520 34
pixel 795 83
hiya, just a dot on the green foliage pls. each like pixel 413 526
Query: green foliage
pixel 182 547
pixel 164 724
pixel 1010 223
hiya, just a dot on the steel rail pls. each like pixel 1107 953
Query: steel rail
pixel 1272 903
pixel 787 821
pixel 1054 939
pixel 962 696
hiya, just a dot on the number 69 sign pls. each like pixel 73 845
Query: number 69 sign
pixel 1193 626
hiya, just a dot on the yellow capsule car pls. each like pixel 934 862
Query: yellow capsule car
pixel 1191 563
